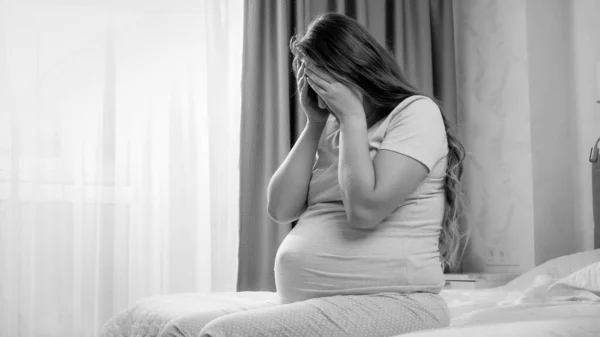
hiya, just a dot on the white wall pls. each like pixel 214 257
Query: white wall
pixel 585 112
pixel 549 47
pixel 526 102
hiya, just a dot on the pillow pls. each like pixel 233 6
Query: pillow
pixel 557 268
pixel 587 278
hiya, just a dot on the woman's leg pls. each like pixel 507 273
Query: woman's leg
pixel 190 325
pixel 353 315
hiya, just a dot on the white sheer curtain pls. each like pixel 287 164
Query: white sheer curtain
pixel 119 150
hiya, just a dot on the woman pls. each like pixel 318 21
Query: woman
pixel 374 181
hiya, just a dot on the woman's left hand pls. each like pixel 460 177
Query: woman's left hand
pixel 343 101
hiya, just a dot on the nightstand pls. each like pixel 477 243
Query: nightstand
pixel 477 280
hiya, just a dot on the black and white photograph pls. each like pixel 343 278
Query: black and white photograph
pixel 299 168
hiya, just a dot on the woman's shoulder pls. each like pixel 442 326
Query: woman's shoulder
pixel 417 102
pixel 415 107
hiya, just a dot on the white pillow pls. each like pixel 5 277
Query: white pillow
pixel 556 268
pixel 587 278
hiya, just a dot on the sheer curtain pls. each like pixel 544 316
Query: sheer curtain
pixel 119 157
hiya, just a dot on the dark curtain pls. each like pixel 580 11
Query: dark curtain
pixel 418 32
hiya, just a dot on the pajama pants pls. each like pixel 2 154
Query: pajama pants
pixel 385 314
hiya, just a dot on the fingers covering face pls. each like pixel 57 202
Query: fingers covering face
pixel 320 73
pixel 319 84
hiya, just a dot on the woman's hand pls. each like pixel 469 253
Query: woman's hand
pixel 343 101
pixel 309 104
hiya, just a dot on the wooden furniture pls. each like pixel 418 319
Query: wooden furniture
pixel 596 201
pixel 477 280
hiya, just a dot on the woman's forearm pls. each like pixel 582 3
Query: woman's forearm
pixel 288 188
pixel 356 173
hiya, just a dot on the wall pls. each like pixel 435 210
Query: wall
pixel 527 124
pixel 586 113
pixel 550 69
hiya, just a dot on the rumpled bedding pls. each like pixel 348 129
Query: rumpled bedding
pixel 498 312
pixel 549 306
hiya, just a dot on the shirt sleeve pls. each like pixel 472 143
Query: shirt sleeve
pixel 417 131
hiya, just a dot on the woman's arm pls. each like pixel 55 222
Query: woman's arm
pixel 288 188
pixel 372 189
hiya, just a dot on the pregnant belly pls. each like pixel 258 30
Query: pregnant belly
pixel 324 256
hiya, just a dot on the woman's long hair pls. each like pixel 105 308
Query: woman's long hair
pixel 346 50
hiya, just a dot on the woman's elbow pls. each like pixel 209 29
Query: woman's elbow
pixel 275 216
pixel 281 218
pixel 278 219
pixel 362 218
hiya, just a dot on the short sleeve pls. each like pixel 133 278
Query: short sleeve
pixel 417 130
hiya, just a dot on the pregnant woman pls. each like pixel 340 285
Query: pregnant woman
pixel 374 182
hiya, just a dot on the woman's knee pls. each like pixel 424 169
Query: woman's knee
pixel 189 325
pixel 247 324
pixel 223 327
pixel 172 329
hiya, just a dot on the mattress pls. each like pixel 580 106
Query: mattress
pixel 474 313
pixel 541 303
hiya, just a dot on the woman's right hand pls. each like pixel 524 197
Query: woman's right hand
pixel 308 100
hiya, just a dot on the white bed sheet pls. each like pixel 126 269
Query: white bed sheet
pixel 503 312
pixel 568 327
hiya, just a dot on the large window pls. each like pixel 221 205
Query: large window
pixel 119 150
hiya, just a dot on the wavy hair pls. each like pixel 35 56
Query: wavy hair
pixel 346 50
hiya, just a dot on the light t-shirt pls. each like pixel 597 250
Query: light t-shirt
pixel 324 256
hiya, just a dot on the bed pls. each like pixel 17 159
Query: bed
pixel 558 298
